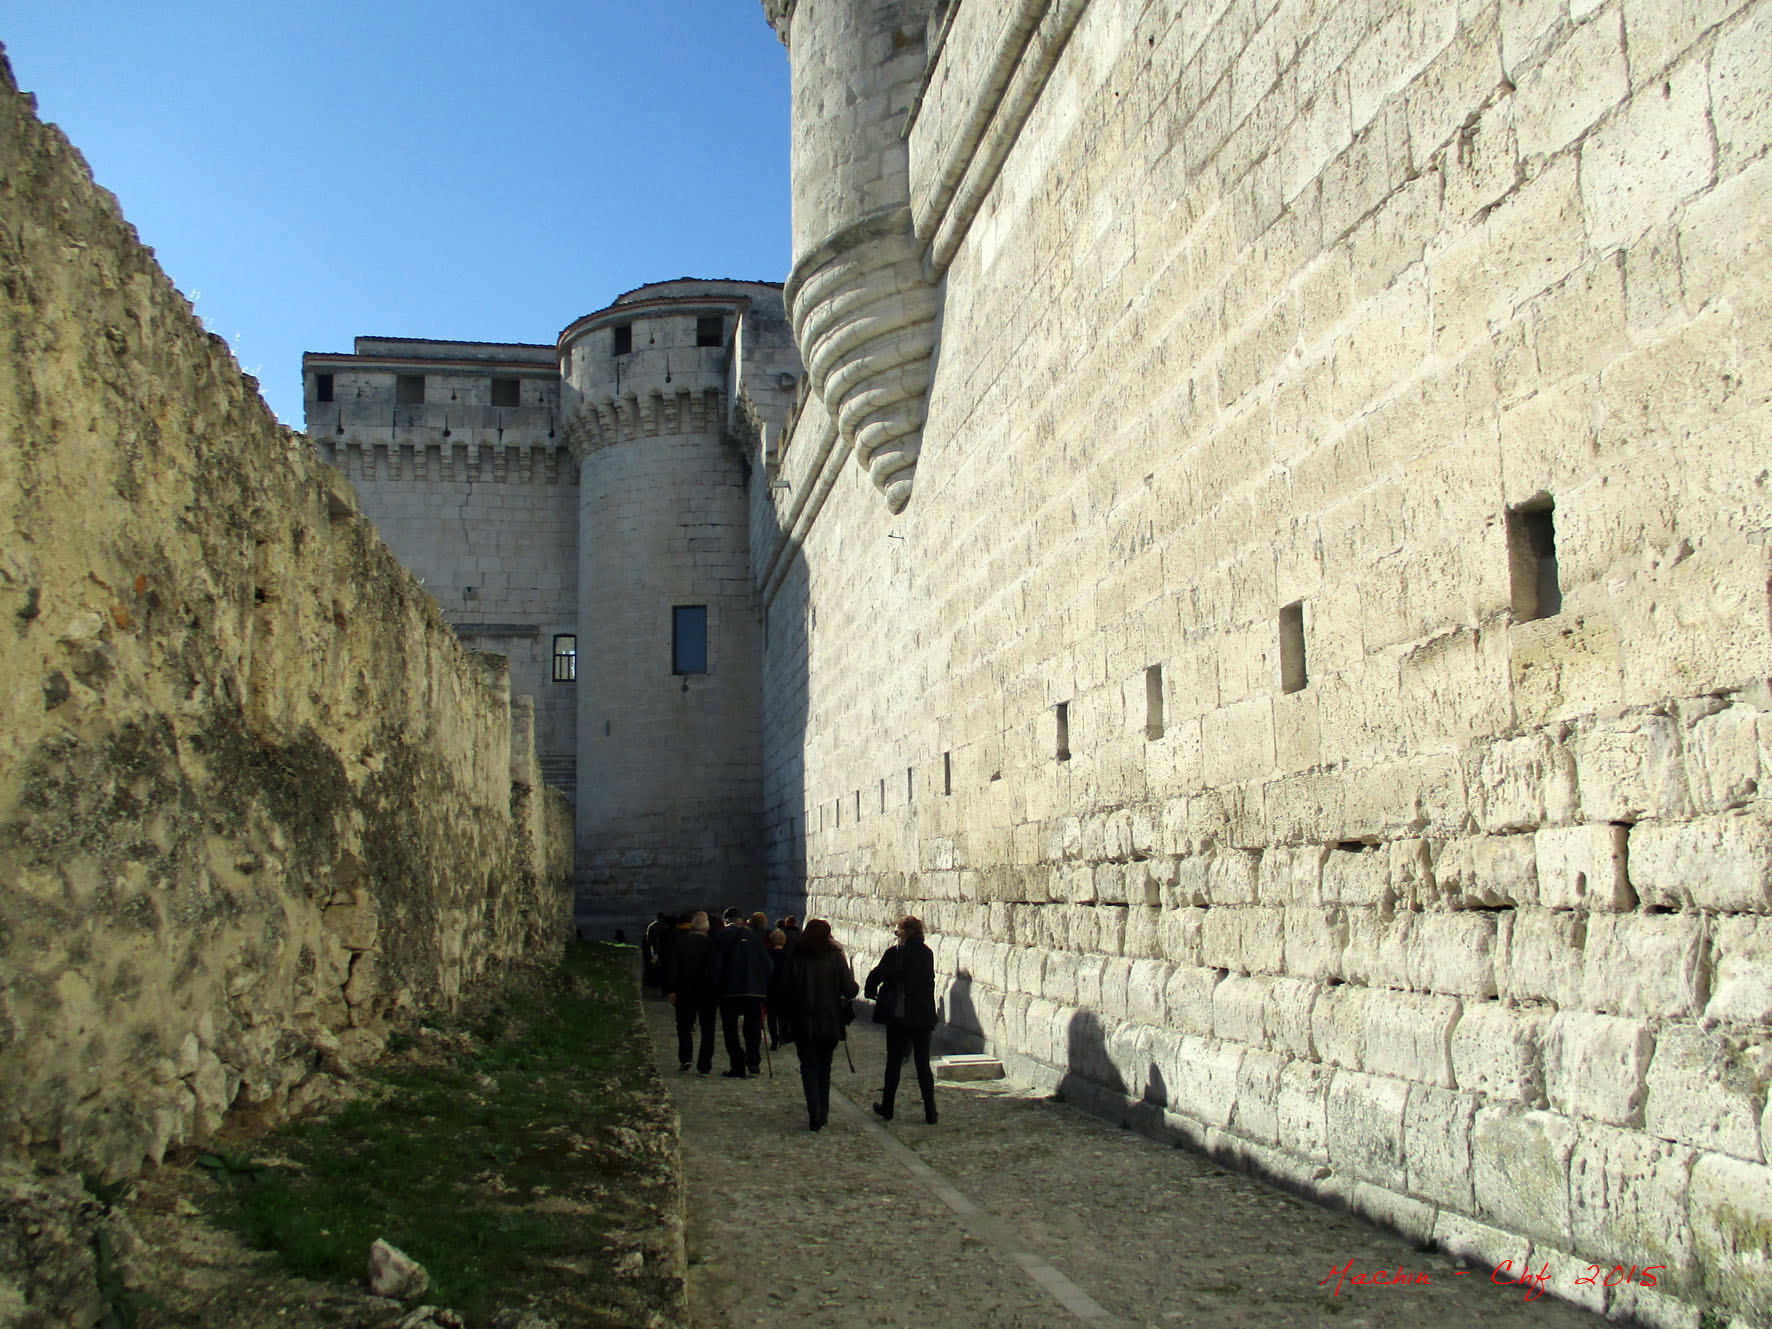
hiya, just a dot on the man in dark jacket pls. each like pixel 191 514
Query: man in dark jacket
pixel 688 988
pixel 902 987
pixel 744 970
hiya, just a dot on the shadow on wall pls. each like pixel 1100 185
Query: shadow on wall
pixel 957 1016
pixel 1093 1079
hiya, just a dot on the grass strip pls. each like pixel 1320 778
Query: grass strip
pixel 526 1158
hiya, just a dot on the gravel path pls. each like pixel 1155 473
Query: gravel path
pixel 1016 1211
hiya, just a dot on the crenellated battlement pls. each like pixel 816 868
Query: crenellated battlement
pixel 482 462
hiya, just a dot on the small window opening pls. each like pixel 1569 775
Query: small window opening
pixel 837 803
pixel 1532 560
pixel 1153 702
pixel 322 387
pixel 1062 714
pixel 689 639
pixel 624 338
pixel 882 793
pixel 858 805
pixel 710 331
pixel 1293 675
pixel 947 773
pixel 505 392
pixel 908 786
pixel 409 390
pixel 565 657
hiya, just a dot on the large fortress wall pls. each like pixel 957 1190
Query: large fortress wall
pixel 493 532
pixel 1290 303
pixel 253 795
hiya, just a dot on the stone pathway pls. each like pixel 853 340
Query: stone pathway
pixel 1015 1212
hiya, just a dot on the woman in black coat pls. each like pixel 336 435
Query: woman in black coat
pixel 902 986
pixel 819 979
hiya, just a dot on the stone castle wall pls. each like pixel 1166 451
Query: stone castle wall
pixel 1270 334
pixel 493 533
pixel 254 797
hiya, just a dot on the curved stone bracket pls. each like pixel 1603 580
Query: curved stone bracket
pixel 865 320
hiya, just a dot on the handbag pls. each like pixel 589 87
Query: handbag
pixel 889 1006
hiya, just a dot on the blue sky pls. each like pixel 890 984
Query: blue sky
pixel 307 173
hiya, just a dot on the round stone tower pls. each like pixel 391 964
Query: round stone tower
pixel 669 667
pixel 863 314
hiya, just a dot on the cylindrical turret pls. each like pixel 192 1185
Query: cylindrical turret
pixel 669 692
pixel 863 315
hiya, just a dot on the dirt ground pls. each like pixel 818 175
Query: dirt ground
pixel 835 1229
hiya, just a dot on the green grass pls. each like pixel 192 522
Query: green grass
pixel 491 1154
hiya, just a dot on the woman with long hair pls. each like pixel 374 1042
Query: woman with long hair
pixel 819 980
pixel 902 986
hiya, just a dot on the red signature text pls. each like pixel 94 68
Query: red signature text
pixel 1379 1278
pixel 1532 1280
pixel 1596 1276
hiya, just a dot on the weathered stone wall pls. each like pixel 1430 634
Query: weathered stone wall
pixel 1316 305
pixel 253 795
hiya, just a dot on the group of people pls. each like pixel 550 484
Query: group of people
pixel 798 984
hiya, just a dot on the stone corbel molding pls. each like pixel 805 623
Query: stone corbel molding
pixel 780 14
pixel 865 320
pixel 961 170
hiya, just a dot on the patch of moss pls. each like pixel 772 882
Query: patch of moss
pixel 517 1156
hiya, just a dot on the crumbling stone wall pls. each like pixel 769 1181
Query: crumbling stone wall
pixel 1414 897
pixel 254 797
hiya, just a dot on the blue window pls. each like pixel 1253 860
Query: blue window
pixel 689 639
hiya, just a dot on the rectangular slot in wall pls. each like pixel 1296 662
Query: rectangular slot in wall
pixel 710 330
pixel 1062 718
pixel 322 387
pixel 858 805
pixel 409 389
pixel 1532 560
pixel 505 392
pixel 882 793
pixel 624 338
pixel 1153 702
pixel 1293 675
pixel 689 639
pixel 909 788
pixel 947 773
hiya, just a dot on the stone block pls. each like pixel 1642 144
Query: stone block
pixel 1188 998
pixel 1484 1246
pixel 1379 947
pixel 1574 86
pixel 1455 953
pixel 1178 935
pixel 1359 877
pixel 1437 1146
pixel 1365 1116
pixel 1583 867
pixel 1740 73
pixel 1314 939
pixel 1725 234
pixel 1541 959
pixel 1338 1025
pixel 1231 877
pixel 1287 1018
pixel 1595 1066
pixel 1116 979
pixel 1639 167
pixel 1140 941
pixel 1497 1051
pixel 1291 875
pixel 1246 939
pixel 1410 1037
pixel 1741 981
pixel 1258 1084
pixel 1201 1075
pixel 1722 758
pixel 1147 981
pixel 1722 863
pixel 1629 769
pixel 1645 965
pixel 1708 1089
pixel 353 925
pixel 1731 1212
pixel 1520 784
pixel 1520 1168
pixel 1060 978
pixel 1301 1109
pixel 1238 1010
